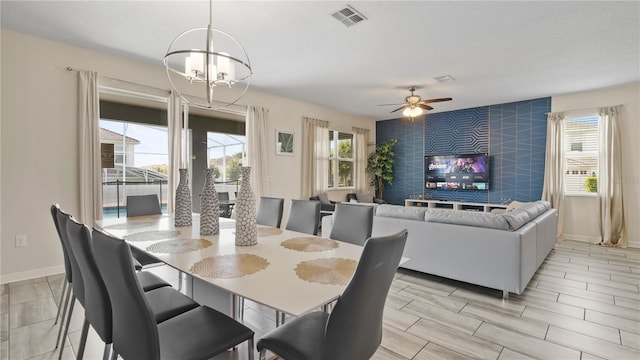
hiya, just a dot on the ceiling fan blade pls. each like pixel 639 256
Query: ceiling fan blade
pixel 428 101
pixel 390 104
pixel 424 106
pixel 400 108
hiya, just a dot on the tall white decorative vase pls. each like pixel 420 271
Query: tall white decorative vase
pixel 246 226
pixel 209 206
pixel 183 201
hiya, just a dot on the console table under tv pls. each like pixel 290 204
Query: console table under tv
pixel 453 205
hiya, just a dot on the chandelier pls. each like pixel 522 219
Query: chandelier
pixel 209 63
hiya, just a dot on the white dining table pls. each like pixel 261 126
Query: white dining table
pixel 291 272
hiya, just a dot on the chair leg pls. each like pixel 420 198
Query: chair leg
pixel 263 354
pixel 241 309
pixel 64 289
pixel 83 339
pixel 180 281
pixel 106 355
pixel 114 354
pixel 250 346
pixel 66 328
pixel 64 314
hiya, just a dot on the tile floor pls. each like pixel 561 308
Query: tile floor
pixel 583 303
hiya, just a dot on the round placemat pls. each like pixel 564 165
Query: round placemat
pixel 329 271
pixel 152 235
pixel 179 246
pixel 268 231
pixel 229 266
pixel 309 244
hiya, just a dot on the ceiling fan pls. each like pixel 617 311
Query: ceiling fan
pixel 414 105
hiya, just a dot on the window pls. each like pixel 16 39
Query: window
pixel 224 155
pixel 581 155
pixel 340 160
pixel 141 163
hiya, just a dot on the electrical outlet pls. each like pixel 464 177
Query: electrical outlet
pixel 21 240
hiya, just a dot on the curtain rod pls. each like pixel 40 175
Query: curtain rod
pixel 225 110
pixel 69 68
pixel 241 111
pixel 585 109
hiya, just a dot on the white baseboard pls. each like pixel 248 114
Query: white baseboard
pixel 582 238
pixel 595 239
pixel 31 274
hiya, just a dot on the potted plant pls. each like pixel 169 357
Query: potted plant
pixel 380 164
pixel 591 184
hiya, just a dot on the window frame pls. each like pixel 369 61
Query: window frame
pixel 336 160
pixel 567 147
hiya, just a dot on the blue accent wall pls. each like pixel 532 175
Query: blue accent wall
pixel 513 134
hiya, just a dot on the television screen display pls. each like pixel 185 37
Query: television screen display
pixel 457 172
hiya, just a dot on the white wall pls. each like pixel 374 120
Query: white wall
pixel 581 217
pixel 38 146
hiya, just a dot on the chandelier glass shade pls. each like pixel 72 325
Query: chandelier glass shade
pixel 208 67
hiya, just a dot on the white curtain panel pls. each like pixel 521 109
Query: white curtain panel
pixel 553 188
pixel 174 122
pixel 315 157
pixel 610 178
pixel 89 147
pixel 361 155
pixel 256 132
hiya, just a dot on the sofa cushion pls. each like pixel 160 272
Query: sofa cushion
pixel 516 218
pixel 469 218
pixel 324 198
pixel 401 212
pixel 365 197
pixel 537 208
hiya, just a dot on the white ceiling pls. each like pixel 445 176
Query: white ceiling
pixel 498 52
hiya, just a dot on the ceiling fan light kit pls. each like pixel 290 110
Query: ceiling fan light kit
pixel 413 112
pixel 414 105
pixel 211 62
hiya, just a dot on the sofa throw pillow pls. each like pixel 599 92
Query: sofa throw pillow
pixel 324 198
pixel 365 197
pixel 516 218
pixel 515 205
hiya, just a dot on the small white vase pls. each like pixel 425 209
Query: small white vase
pixel 246 226
pixel 209 206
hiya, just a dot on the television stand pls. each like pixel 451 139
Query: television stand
pixel 453 205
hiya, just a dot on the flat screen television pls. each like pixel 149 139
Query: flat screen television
pixel 457 172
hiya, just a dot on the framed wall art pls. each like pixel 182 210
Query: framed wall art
pixel 284 142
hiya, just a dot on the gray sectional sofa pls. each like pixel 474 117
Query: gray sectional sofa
pixel 499 251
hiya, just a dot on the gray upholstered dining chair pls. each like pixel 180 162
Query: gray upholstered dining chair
pixel 225 206
pixel 353 330
pixel 166 302
pixel 199 333
pixel 352 223
pixel 304 216
pixel 270 211
pixel 68 276
pixel 147 280
pixel 139 205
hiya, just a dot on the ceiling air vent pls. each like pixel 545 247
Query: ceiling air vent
pixel 348 16
pixel 445 78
